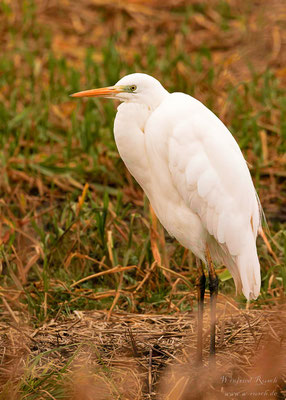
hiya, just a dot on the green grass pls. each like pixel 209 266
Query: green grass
pixel 52 145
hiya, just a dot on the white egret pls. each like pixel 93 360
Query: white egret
pixel 195 177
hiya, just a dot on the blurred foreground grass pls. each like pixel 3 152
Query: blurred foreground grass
pixel 69 209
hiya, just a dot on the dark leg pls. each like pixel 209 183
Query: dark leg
pixel 213 284
pixel 201 283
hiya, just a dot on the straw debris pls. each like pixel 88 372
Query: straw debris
pixel 140 356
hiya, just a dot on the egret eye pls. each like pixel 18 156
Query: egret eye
pixel 132 88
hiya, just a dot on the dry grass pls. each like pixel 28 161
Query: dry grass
pixel 65 247
pixel 133 356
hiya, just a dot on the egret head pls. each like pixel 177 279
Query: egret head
pixel 136 88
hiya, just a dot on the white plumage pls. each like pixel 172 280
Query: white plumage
pixel 193 172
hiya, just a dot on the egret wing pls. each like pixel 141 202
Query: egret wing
pixel 210 173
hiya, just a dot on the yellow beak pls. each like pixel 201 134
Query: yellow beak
pixel 102 92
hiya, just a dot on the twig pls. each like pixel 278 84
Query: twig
pixel 150 371
pixel 117 295
pixel 146 277
pixel 110 271
pixel 11 312
pixel 177 274
pixel 133 343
